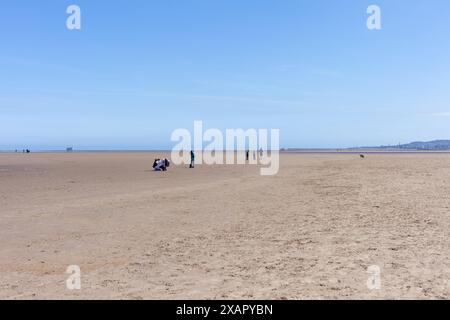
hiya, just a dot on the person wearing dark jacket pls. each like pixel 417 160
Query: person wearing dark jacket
pixel 192 159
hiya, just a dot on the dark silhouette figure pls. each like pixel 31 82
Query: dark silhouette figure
pixel 361 156
pixel 192 159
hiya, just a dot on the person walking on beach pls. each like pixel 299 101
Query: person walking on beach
pixel 247 155
pixel 192 159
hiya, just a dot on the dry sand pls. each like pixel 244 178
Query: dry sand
pixel 224 231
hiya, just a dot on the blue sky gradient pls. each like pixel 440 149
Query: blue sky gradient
pixel 137 70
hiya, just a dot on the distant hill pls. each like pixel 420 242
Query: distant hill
pixel 417 145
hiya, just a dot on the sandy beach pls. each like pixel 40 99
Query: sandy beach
pixel 224 232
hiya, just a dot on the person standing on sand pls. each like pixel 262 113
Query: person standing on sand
pixel 247 155
pixel 192 159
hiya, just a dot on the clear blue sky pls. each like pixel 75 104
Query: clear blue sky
pixel 137 70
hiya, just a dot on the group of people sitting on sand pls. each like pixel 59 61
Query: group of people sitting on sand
pixel 161 164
